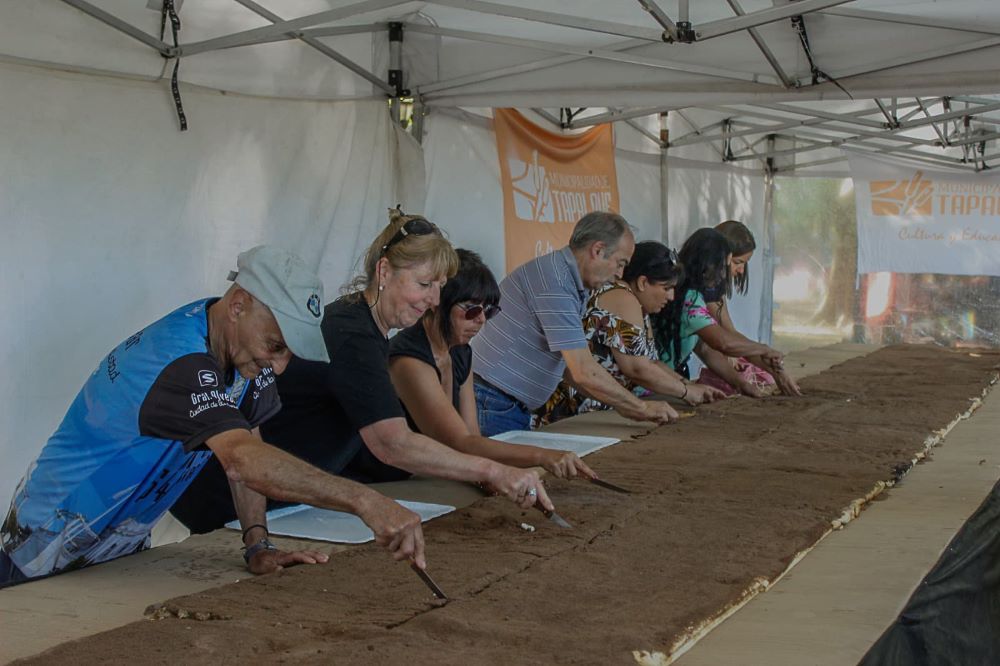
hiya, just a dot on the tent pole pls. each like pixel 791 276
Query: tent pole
pixel 321 47
pixel 417 120
pixel 118 24
pixel 764 332
pixel 395 78
pixel 664 179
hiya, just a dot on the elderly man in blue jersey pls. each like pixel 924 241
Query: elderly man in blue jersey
pixel 194 384
pixel 520 356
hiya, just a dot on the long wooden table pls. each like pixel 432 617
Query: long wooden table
pixel 39 615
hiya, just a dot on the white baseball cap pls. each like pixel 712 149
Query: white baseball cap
pixel 284 282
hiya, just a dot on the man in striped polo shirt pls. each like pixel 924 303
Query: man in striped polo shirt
pixel 520 356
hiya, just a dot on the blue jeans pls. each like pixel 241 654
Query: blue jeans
pixel 498 412
pixel 9 573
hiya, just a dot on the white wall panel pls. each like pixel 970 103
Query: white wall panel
pixel 111 218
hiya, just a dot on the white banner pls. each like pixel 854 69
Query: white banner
pixel 915 219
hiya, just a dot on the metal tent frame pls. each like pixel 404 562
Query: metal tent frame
pixel 952 129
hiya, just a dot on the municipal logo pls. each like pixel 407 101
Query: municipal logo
pixel 897 198
pixel 313 305
pixel 532 190
pixel 208 378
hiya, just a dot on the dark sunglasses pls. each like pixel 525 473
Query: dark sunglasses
pixel 672 259
pixel 473 310
pixel 416 226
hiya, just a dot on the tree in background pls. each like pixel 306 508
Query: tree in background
pixel 815 223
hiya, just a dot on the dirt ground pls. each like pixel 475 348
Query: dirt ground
pixel 719 501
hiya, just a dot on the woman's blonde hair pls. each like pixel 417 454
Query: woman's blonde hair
pixel 409 251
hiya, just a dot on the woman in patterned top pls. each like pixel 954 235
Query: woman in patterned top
pixel 742 245
pixel 621 339
pixel 687 326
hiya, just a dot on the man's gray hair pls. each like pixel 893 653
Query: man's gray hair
pixel 602 226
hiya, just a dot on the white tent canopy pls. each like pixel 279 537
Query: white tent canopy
pixel 537 53
pixel 917 69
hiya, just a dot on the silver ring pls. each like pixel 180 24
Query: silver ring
pixel 532 493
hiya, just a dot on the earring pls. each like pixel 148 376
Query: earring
pixel 381 287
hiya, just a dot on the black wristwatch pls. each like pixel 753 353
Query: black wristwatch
pixel 263 544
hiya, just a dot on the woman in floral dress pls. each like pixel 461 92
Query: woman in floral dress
pixel 620 336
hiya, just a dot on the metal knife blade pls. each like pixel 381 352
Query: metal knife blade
pixel 424 576
pixel 554 517
pixel 610 486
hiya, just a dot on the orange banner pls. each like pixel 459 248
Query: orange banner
pixel 549 182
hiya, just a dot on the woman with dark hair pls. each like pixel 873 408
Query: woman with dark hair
pixel 687 326
pixel 431 369
pixel 618 329
pixel 742 245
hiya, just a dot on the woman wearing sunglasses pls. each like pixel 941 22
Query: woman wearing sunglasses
pixel 344 416
pixel 431 367
pixel 618 330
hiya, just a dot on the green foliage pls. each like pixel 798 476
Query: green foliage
pixel 813 221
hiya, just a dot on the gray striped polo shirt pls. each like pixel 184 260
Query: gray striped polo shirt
pixel 543 303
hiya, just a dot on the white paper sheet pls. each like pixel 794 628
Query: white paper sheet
pixel 308 522
pixel 581 445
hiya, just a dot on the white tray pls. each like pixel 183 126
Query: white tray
pixel 581 445
pixel 308 522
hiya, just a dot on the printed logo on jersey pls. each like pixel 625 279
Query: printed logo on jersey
pixel 208 378
pixel 262 381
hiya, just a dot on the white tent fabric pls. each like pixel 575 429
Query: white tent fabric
pixel 907 73
pixel 111 218
pixel 54 32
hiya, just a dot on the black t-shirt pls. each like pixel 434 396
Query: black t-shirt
pixel 189 402
pixel 323 407
pixel 326 404
pixel 413 342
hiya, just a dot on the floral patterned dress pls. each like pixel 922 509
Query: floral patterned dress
pixel 605 332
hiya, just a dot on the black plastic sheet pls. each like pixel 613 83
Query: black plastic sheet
pixel 953 618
